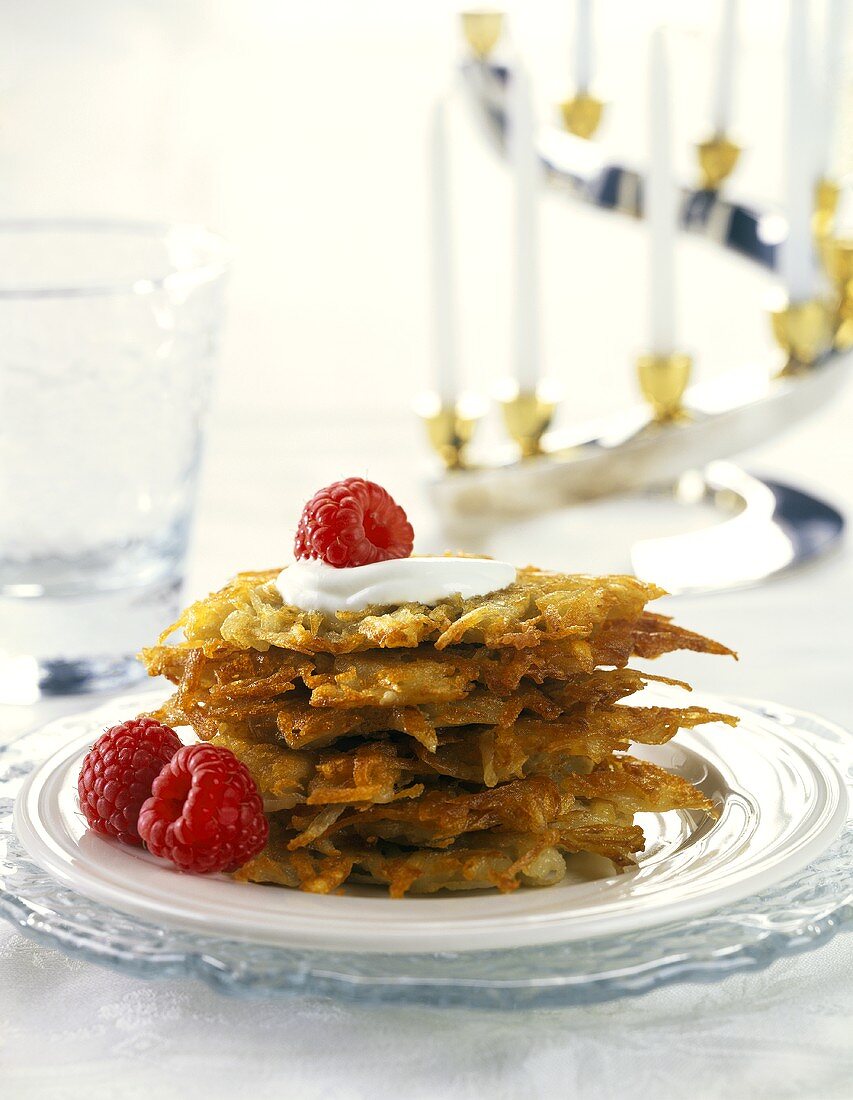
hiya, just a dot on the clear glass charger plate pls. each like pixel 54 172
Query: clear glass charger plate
pixel 798 912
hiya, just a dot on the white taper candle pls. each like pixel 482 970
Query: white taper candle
pixel 724 86
pixel 527 171
pixel 442 286
pixel 797 267
pixel 583 45
pixel 661 204
pixel 833 74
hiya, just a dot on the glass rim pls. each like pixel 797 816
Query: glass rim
pixel 213 260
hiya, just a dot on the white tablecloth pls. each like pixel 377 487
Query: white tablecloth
pixel 71 1030
pixel 298 131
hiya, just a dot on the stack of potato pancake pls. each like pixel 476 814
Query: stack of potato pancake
pixel 468 745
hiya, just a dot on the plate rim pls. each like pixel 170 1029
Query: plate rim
pixel 502 930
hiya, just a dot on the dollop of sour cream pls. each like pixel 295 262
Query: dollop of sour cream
pixel 315 586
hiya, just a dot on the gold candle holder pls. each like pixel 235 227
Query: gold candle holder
pixel 663 380
pixel 718 158
pixel 527 416
pixel 450 427
pixel 482 30
pixel 804 331
pixel 837 258
pixel 582 114
pixel 826 197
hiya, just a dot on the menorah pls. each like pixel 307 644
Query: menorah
pixel 677 440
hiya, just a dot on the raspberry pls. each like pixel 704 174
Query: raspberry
pixel 205 813
pixel 353 522
pixel 117 774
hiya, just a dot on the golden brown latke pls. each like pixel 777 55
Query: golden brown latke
pixel 435 816
pixel 301 725
pixel 293 717
pixel 378 771
pixel 249 613
pixel 478 863
pixel 462 841
pixel 254 684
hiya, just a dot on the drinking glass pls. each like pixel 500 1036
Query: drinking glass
pixel 108 333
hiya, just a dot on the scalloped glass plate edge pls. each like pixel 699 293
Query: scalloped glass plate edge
pixel 792 917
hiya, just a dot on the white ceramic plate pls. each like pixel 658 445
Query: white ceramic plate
pixel 782 801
